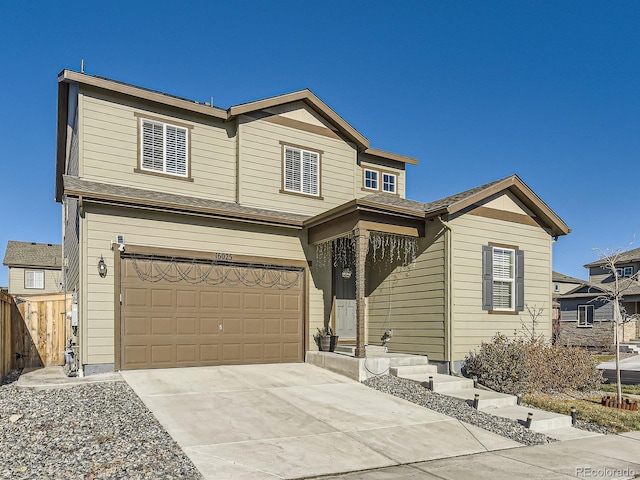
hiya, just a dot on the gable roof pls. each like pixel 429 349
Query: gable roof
pixel 460 201
pixel 628 288
pixel 67 77
pixel 310 98
pixel 560 277
pixel 31 254
pixel 625 257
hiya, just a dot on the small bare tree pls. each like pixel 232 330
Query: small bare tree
pixel 529 328
pixel 614 294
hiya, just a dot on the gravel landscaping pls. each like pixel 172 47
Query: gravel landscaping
pixel 411 391
pixel 89 431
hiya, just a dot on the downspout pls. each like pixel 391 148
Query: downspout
pixel 448 240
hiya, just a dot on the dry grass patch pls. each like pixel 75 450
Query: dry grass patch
pixel 626 389
pixel 588 409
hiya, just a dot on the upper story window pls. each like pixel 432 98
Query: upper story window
pixel 628 272
pixel 164 148
pixel 388 182
pixel 379 180
pixel 301 171
pixel 34 279
pixel 502 279
pixel 371 179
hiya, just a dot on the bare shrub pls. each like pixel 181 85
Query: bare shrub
pixel 519 366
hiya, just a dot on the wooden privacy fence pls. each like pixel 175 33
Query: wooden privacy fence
pixel 5 334
pixel 37 330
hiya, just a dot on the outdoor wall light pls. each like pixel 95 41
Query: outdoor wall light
pixel 102 267
pixel 346 273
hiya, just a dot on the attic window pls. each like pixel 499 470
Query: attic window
pixel 628 271
pixel 388 182
pixel 370 179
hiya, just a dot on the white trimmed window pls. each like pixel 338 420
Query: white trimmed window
pixel 628 271
pixel 301 171
pixel 503 278
pixel 388 182
pixel 163 148
pixel 585 315
pixel 370 179
pixel 34 279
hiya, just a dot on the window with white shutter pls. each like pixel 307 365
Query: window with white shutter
pixel 163 148
pixel 301 171
pixel 34 279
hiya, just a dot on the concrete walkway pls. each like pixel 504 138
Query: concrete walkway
pixel 296 421
pixel 610 456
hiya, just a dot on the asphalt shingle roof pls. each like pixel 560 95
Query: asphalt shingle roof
pixel 561 277
pixel 28 254
pixel 130 194
pixel 625 257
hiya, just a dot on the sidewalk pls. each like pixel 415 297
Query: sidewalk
pixel 609 456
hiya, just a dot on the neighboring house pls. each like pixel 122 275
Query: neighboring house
pixel 586 319
pixel 561 285
pixel 34 268
pixel 197 235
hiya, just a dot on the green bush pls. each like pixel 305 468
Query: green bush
pixel 519 366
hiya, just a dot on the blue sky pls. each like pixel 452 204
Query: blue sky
pixel 476 90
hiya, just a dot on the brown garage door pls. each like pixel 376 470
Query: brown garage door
pixel 179 314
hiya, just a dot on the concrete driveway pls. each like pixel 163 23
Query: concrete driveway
pixel 296 421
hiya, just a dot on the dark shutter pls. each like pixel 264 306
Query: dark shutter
pixel 487 278
pixel 519 280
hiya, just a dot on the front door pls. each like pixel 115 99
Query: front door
pixel 345 303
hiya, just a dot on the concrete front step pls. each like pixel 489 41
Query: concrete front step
pixel 441 383
pixel 372 350
pixel 542 421
pixel 487 398
pixel 399 371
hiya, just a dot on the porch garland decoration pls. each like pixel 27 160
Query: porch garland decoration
pixel 173 270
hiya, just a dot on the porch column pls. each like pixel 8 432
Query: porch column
pixel 361 240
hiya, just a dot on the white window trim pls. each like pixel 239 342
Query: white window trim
pixel 302 182
pixel 630 274
pixel 511 280
pixel 377 179
pixel 586 309
pixel 35 284
pixel 164 148
pixel 395 182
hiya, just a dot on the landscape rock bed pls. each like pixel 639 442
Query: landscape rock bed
pixel 411 391
pixel 89 431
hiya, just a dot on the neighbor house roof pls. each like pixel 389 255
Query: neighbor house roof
pixel 624 257
pixel 67 77
pixel 31 254
pixel 169 202
pixel 629 287
pixel 560 277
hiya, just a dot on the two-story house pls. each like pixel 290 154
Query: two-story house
pixel 196 235
pixel 586 317
pixel 34 268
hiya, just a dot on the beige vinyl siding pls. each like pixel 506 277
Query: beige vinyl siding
pixel 110 148
pixel 176 232
pixel 71 245
pixel 368 161
pixel 52 280
pixel 471 324
pixel 411 300
pixel 260 154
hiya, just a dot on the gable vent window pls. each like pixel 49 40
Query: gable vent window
pixel 34 279
pixel 301 171
pixel 164 148
pixel 502 279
